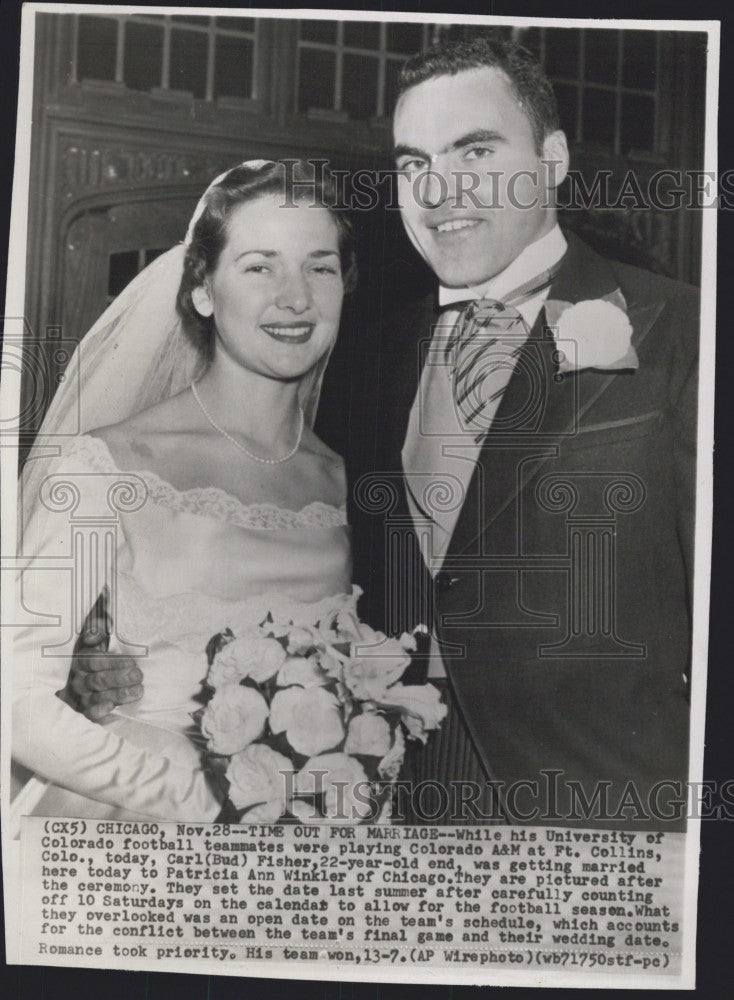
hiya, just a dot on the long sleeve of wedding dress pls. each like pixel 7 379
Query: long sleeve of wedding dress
pixel 71 543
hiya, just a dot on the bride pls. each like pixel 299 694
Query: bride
pixel 197 393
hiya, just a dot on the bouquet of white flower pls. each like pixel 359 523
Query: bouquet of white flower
pixel 308 718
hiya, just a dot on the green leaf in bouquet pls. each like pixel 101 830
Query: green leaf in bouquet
pixel 215 766
pixel 250 682
pixel 203 697
pixel 194 733
pixel 383 794
pixel 217 643
pixel 369 763
pixel 229 814
pixel 268 688
pixel 279 742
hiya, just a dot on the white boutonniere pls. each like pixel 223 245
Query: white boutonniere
pixel 595 333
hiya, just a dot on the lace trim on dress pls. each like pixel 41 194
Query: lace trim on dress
pixel 210 501
pixel 182 619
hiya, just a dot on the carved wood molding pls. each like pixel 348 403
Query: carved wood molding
pixel 87 166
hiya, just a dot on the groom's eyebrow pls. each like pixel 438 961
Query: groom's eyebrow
pixel 402 150
pixel 324 253
pixel 478 135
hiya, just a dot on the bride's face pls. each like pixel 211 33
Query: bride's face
pixel 277 289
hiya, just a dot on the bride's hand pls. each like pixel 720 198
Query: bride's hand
pixel 98 682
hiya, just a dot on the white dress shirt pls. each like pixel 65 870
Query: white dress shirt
pixel 439 455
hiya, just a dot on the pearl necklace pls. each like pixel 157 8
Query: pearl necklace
pixel 241 447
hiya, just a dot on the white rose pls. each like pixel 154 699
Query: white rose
pixel 389 766
pixel 347 626
pixel 301 639
pixel 285 616
pixel 420 707
pixel 601 334
pixel 372 670
pixel 366 638
pixel 305 672
pixel 344 785
pixel 247 656
pixel 332 662
pixel 234 718
pixel 309 717
pixel 368 734
pixel 258 776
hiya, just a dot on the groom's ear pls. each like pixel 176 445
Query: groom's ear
pixel 202 301
pixel 555 158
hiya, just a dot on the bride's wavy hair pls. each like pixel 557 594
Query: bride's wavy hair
pixel 297 182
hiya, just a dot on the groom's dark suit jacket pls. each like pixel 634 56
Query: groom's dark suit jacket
pixel 564 602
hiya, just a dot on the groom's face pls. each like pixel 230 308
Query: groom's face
pixel 474 190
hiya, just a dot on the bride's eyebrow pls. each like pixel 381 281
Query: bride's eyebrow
pixel 274 253
pixel 263 253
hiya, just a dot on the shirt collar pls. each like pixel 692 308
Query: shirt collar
pixel 534 259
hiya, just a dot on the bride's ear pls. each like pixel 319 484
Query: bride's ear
pixel 202 301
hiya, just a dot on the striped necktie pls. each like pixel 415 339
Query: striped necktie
pixel 482 351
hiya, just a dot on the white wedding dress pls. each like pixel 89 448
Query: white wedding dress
pixel 184 565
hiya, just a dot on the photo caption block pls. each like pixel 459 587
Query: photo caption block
pixel 120 894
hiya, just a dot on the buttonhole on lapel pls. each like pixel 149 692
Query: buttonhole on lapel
pixel 559 357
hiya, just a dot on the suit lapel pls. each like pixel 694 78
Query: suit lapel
pixel 539 409
pixel 403 358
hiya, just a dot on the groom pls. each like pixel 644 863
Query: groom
pixel 533 432
pixel 523 465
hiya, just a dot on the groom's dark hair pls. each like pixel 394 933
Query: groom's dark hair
pixel 532 87
pixel 295 182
